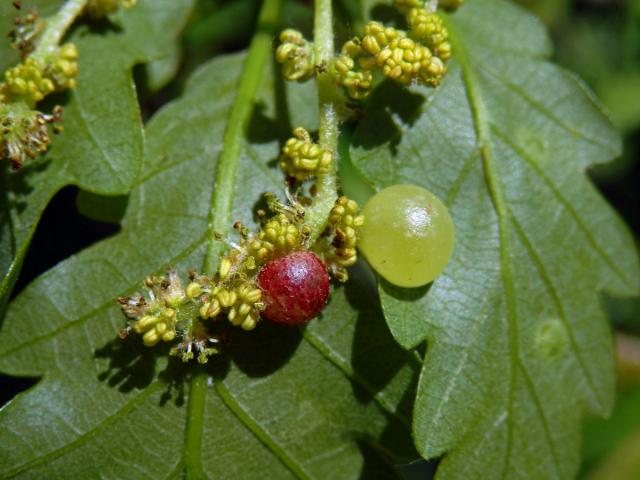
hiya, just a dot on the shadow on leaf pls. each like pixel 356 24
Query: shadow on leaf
pixel 130 364
pixel 377 462
pixel 390 109
pixel 387 14
pixel 375 356
pixel 404 294
pixel 264 350
pixel 99 26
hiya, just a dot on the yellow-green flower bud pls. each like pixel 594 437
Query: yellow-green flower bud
pixel 193 290
pixel 38 76
pixel 428 28
pixel 357 83
pixel 249 323
pixel 150 338
pixel 296 56
pixel 301 158
pixel 344 222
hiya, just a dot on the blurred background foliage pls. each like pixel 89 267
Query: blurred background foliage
pixel 597 39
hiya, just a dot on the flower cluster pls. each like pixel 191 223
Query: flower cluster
pixel 338 243
pixel 169 311
pixel 417 55
pixel 302 158
pixel 296 56
pixel 428 28
pixel 357 83
pixel 24 132
pixel 39 75
pixel 45 69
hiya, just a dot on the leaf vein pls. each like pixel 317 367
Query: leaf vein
pixel 106 305
pixel 81 440
pixel 254 427
pixel 545 422
pixel 553 292
pixel 563 201
pixel 544 110
pixel 336 359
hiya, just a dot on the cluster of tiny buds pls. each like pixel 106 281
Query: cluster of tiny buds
pixel 417 56
pixel 168 311
pixel 284 232
pixel 302 158
pixel 102 8
pixel 44 69
pixel 24 132
pixel 40 75
pixel 357 83
pixel 341 237
pixel 241 304
pixel 428 28
pixel 296 56
pixel 155 317
pixel 278 236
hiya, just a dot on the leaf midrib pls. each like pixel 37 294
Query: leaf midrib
pixel 482 128
pixel 256 429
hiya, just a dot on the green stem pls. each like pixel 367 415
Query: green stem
pixel 326 185
pixel 222 204
pixel 193 434
pixel 57 25
pixel 223 193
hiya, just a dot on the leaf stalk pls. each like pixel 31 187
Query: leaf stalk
pixel 222 205
pixel 328 98
pixel 57 26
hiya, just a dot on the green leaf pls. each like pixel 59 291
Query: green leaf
pixel 283 402
pixel 102 145
pixel 518 347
